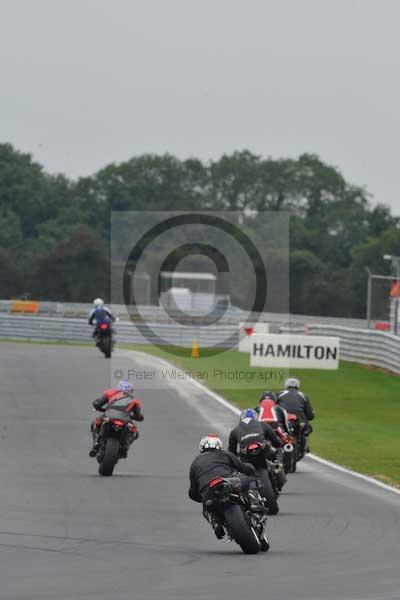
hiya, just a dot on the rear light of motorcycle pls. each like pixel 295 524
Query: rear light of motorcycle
pixel 215 482
pixel 118 422
pixel 104 326
pixel 292 417
pixel 253 447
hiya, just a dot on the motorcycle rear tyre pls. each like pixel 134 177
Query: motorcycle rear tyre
pixel 240 531
pixel 110 458
pixel 268 493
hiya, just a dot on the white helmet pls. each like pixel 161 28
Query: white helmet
pixel 292 382
pixel 210 442
pixel 98 302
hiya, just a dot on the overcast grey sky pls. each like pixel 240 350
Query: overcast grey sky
pixel 88 82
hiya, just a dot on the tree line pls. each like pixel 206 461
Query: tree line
pixel 55 232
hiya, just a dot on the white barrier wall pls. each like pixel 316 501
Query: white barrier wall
pixel 294 351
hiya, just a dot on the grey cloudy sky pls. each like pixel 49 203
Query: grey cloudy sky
pixel 88 82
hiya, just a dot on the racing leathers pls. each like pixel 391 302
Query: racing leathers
pixel 215 463
pixel 273 414
pixel 100 315
pixel 116 400
pixel 251 431
pixel 211 464
pixel 297 403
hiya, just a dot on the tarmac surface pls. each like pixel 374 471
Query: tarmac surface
pixel 68 534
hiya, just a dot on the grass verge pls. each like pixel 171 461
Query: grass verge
pixel 358 408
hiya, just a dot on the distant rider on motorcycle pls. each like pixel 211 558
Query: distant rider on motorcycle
pixel 251 431
pixel 100 314
pixel 297 403
pixel 214 462
pixel 276 416
pixel 121 399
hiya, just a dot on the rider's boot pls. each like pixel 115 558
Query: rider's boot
pixel 218 527
pixel 214 521
pixel 95 447
pixel 256 503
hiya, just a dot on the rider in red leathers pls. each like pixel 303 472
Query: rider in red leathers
pixel 121 399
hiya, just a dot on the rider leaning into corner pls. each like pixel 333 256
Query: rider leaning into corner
pixel 296 402
pixel 122 399
pixel 214 462
pixel 99 314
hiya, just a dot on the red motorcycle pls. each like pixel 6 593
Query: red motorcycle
pixel 114 433
pixel 289 447
pixel 268 414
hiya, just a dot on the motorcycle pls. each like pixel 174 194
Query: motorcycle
pixel 266 472
pixel 289 450
pixel 300 435
pixel 105 339
pixel 268 414
pixel 246 528
pixel 113 441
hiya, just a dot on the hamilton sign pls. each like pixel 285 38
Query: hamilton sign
pixel 294 351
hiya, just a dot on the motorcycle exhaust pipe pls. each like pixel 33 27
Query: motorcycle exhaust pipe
pixel 288 448
pixel 277 468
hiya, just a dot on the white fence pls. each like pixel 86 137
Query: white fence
pixel 157 314
pixel 364 346
pixel 54 328
pixel 369 347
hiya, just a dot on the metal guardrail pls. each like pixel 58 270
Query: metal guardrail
pixel 363 346
pixel 369 347
pixel 55 328
pixel 157 314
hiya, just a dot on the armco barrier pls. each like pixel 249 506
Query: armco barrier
pixel 55 328
pixel 156 314
pixel 369 347
pixel 358 345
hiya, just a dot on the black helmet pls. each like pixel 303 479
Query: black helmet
pixel 268 394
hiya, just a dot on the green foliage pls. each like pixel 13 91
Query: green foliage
pixel 334 230
pixel 76 269
pixel 11 283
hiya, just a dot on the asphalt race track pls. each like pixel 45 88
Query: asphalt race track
pixel 68 534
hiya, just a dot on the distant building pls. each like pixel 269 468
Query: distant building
pixel 188 292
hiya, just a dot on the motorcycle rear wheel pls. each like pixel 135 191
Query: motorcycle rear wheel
pixel 107 347
pixel 240 531
pixel 267 492
pixel 110 457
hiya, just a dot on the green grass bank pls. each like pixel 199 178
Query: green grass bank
pixel 358 408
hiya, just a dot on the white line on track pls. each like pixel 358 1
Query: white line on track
pixel 237 411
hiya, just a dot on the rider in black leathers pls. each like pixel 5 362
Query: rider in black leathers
pixel 214 462
pixel 295 402
pixel 250 430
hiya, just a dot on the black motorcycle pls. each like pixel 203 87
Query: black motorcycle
pixel 267 473
pixel 104 337
pixel 115 432
pixel 300 434
pixel 248 529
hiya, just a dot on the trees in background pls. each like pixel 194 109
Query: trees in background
pixel 55 233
